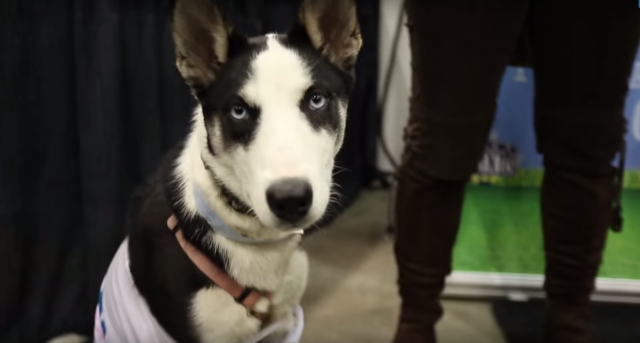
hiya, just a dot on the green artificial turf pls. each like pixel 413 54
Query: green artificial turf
pixel 533 178
pixel 500 232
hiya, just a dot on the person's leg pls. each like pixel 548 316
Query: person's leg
pixel 583 54
pixel 459 50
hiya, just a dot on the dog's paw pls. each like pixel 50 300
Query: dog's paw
pixel 262 305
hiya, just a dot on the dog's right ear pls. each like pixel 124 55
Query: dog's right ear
pixel 201 37
pixel 332 26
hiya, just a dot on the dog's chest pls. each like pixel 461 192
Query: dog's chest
pixel 283 272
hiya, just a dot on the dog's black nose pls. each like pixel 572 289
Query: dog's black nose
pixel 290 199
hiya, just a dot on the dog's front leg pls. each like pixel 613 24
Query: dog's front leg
pixel 289 295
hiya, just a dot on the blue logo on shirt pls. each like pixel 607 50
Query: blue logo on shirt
pixel 102 324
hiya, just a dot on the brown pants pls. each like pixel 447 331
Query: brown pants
pixel 582 56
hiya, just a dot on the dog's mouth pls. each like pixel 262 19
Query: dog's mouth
pixel 296 227
pixel 234 202
pixel 285 217
pixel 293 231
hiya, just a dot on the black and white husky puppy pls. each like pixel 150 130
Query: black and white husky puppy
pixel 253 172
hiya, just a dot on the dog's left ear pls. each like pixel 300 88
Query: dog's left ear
pixel 332 27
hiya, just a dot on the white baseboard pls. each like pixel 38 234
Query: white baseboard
pixel 524 286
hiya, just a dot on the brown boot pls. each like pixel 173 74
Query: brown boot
pixel 428 215
pixel 576 214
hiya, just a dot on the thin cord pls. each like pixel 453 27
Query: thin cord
pixel 381 105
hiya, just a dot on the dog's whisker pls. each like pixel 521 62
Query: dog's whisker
pixel 338 170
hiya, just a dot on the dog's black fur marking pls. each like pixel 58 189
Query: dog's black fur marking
pixel 329 80
pixel 219 98
pixel 162 272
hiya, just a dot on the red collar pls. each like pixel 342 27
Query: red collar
pixel 246 296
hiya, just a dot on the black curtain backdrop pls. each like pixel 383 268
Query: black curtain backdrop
pixel 89 101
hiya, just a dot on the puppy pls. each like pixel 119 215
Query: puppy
pixel 213 251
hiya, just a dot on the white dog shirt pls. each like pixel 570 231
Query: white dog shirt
pixel 122 314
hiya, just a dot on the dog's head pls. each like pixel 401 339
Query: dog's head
pixel 274 106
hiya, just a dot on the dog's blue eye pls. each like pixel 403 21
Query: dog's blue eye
pixel 239 112
pixel 317 101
